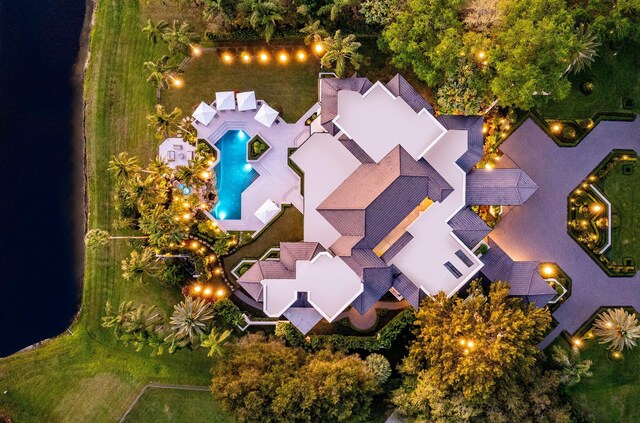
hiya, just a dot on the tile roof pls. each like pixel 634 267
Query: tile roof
pixel 329 88
pixel 407 289
pixel 304 318
pixel 523 276
pixel 475 138
pixel 500 187
pixel 399 87
pixel 376 282
pixel 290 252
pixel 469 227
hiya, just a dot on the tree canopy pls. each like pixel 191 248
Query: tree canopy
pixel 469 350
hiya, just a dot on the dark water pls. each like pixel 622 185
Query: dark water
pixel 40 186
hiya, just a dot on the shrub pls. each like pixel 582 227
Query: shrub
pixel 569 132
pixel 227 313
pixel 379 366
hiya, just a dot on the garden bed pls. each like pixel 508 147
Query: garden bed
pixel 256 148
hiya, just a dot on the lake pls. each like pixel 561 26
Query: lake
pixel 41 164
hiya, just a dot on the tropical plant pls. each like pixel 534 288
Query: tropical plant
pixel 165 123
pixel 99 237
pixel 154 30
pixel 336 7
pixel 339 51
pixel 161 71
pixel 123 166
pixel 159 169
pixel 263 16
pixel 379 366
pixel 314 32
pixel 215 13
pixel 191 319
pixel 584 51
pixel 573 367
pixel 161 227
pixel 180 37
pixel 618 327
pixel 115 318
pixel 144 191
pixel 222 244
pixel 140 265
pixel 215 341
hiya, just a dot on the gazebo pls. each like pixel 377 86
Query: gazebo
pixel 266 115
pixel 225 100
pixel 246 101
pixel 267 211
pixel 204 113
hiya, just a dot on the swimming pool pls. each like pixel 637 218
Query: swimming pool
pixel 233 174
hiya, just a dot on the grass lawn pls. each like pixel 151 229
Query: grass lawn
pixel 615 77
pixel 159 405
pixel 611 395
pixel 622 191
pixel 292 87
pixel 286 228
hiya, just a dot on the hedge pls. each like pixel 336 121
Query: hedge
pixel 382 340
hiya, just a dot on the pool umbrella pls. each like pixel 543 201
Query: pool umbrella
pixel 266 115
pixel 267 211
pixel 204 113
pixel 225 100
pixel 246 101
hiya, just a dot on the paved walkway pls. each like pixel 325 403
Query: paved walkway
pixel 538 230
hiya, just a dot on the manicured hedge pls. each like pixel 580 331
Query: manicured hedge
pixel 382 340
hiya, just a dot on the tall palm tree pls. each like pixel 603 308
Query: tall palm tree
pixel 161 226
pixel 154 30
pixel 161 70
pixel 573 367
pixel 124 166
pixel 142 318
pixel 263 16
pixel 339 51
pixel 116 318
pixel 617 327
pixel 180 37
pixel 159 169
pixel 140 265
pixel 191 175
pixel 215 341
pixel 314 32
pixel 99 237
pixel 191 319
pixel 144 191
pixel 585 50
pixel 165 123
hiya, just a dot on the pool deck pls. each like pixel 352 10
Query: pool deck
pixel 538 229
pixel 277 181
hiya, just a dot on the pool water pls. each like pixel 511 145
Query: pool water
pixel 233 174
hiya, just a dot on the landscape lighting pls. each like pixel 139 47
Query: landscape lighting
pixel 283 57
pixel 227 58
pixel 547 270
pixel 301 55
pixel 197 288
pixel 246 57
pixel 197 51
pixel 207 291
pixel 264 57
pixel 318 48
pixel 220 292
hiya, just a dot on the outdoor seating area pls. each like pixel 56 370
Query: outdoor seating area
pixel 276 184
pixel 176 152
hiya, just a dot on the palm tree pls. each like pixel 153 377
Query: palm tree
pixel 191 319
pixel 165 123
pixel 215 341
pixel 214 10
pixel 263 16
pixel 339 51
pixel 336 8
pixel 161 226
pixel 618 327
pixel 99 237
pixel 573 368
pixel 140 265
pixel 123 166
pixel 179 37
pixel 584 51
pixel 116 318
pixel 314 32
pixel 154 30
pixel 142 318
pixel 161 71
pixel 144 191
pixel 159 169
pixel 191 175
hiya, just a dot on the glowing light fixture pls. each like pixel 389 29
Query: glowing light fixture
pixel 246 57
pixel 301 56
pixel 263 57
pixel 248 167
pixel 547 270
pixel 318 48
pixel 283 57
pixel 227 58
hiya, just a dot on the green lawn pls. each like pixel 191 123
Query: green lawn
pixel 622 191
pixel 615 76
pixel 286 228
pixel 159 405
pixel 292 87
pixel 611 395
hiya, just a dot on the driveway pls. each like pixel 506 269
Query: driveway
pixel 538 230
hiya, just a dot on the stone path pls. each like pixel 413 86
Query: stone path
pixel 538 230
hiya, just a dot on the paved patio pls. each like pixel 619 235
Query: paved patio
pixel 538 230
pixel 277 181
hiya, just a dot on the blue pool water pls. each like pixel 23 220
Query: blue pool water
pixel 233 174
